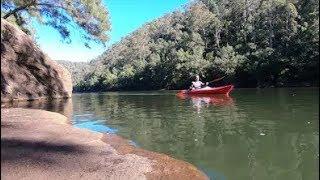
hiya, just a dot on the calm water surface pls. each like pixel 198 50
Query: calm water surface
pixel 254 134
pixel 251 135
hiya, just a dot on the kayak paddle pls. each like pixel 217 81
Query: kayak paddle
pixel 218 79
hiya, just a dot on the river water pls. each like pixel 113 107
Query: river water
pixel 251 135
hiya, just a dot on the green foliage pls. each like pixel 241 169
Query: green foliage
pixel 253 42
pixel 226 61
pixel 90 16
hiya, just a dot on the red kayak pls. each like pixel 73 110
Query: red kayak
pixel 209 90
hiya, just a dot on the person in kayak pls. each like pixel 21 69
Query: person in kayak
pixel 197 84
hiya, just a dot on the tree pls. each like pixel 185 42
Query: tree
pixel 256 43
pixel 91 16
pixel 226 61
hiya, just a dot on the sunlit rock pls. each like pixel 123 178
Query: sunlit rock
pixel 26 72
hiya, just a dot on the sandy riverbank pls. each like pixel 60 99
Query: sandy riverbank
pixel 37 144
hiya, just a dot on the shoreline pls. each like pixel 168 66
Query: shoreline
pixel 270 87
pixel 39 144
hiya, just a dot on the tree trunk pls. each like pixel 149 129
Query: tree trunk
pixel 271 34
pixel 217 37
pixel 18 9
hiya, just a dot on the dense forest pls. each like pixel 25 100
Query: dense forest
pixel 253 43
pixel 78 69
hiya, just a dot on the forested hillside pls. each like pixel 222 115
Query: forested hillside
pixel 79 70
pixel 254 43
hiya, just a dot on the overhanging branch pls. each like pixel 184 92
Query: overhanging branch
pixel 14 11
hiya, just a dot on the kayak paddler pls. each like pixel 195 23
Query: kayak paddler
pixel 197 84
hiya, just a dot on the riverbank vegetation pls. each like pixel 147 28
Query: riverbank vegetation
pixel 255 43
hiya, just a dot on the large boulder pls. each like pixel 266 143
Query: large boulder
pixel 26 72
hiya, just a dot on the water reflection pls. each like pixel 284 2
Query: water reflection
pixel 199 101
pixel 255 134
pixel 91 122
pixel 264 135
pixel 62 106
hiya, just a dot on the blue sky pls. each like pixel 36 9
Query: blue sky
pixel 125 16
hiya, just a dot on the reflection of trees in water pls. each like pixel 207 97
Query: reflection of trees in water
pixel 157 120
pixel 274 156
pixel 224 138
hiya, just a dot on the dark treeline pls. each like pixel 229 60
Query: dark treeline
pixel 254 43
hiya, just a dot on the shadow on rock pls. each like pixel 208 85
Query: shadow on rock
pixel 26 72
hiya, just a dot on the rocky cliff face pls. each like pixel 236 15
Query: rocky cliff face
pixel 26 72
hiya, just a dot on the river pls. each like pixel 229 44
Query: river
pixel 253 134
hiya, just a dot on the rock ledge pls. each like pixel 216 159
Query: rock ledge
pixel 37 144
